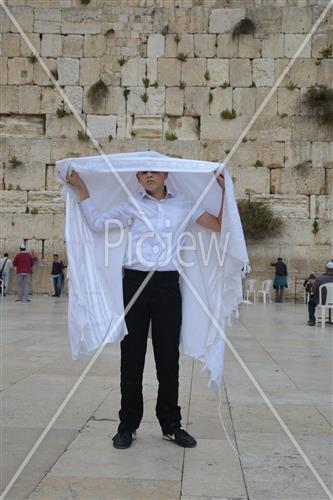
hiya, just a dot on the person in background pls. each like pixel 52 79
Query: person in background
pixel 58 274
pixel 308 284
pixel 23 262
pixel 5 267
pixel 327 277
pixel 280 281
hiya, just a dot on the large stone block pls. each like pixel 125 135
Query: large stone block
pixel 304 73
pixel 72 45
pixel 10 44
pixel 199 19
pixel 174 101
pixel 147 127
pixel 270 107
pixel 298 151
pixel 13 201
pixel 151 70
pixel 23 16
pixel 61 127
pixel 196 101
pixel 38 226
pixel 29 99
pixel 46 202
pixel 115 101
pixel 124 127
pixel 273 46
pixel 204 45
pixel 94 45
pixel 226 46
pixel 184 46
pixel 102 126
pixel 244 101
pixel 270 153
pixel 290 207
pixel 240 72
pixel 267 18
pixel 90 69
pixel 26 177
pixel 263 72
pixel 185 127
pixel 218 70
pixel 319 42
pixel 193 72
pixel 20 71
pixel 303 180
pixel 156 101
pixel 288 101
pixel 135 104
pixel 51 100
pixel 3 71
pixel 324 72
pixel 132 72
pixel 293 43
pixel 47 20
pixel 40 76
pixel 75 96
pixel 82 20
pixel 168 72
pixel 256 179
pixel 222 99
pixel 249 46
pixel 297 19
pixel 34 40
pixel 51 45
pixel 69 71
pixel 22 125
pixel 321 154
pixel 215 128
pixel 155 46
pixel 39 151
pixel 307 128
pixel 224 20
pixel 273 128
pixel 245 155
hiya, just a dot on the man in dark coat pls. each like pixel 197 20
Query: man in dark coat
pixel 280 281
pixel 327 277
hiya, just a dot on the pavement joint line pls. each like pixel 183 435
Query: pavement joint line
pixel 96 144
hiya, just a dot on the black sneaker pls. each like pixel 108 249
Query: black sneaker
pixel 312 322
pixel 181 437
pixel 123 439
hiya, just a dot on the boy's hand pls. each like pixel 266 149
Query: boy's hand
pixel 74 179
pixel 220 180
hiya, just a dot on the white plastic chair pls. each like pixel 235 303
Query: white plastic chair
pixel 328 302
pixel 265 290
pixel 250 288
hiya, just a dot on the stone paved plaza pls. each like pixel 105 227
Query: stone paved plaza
pixel 291 362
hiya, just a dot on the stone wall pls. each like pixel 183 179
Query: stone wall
pixel 137 48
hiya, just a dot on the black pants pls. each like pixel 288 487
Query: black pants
pixel 312 309
pixel 160 303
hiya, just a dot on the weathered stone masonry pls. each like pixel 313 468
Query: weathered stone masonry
pixel 171 67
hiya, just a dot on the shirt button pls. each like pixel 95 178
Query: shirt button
pixel 155 249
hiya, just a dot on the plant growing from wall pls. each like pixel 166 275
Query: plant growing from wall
pixel 121 61
pixel 258 220
pixel 32 58
pixel 226 114
pixel 210 98
pixel 327 52
pixel 244 27
pixel 177 38
pixel 62 110
pixel 155 84
pixel 109 32
pixel 170 136
pixel 225 85
pixel 145 82
pixel 291 85
pixel 258 163
pixel 207 75
pixel 319 100
pixel 34 211
pixel 181 57
pixel 182 84
pixel 144 97
pixel 82 136
pixel 85 2
pixel 97 93
pixel 14 162
pixel 315 227
pixel 165 30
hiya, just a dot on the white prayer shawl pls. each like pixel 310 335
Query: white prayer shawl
pixel 211 291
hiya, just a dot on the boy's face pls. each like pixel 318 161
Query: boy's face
pixel 152 181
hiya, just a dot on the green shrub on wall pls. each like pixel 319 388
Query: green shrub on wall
pixel 258 220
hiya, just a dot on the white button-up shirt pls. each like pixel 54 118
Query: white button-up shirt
pixel 149 247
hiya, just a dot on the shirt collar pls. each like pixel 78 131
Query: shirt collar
pixel 168 194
